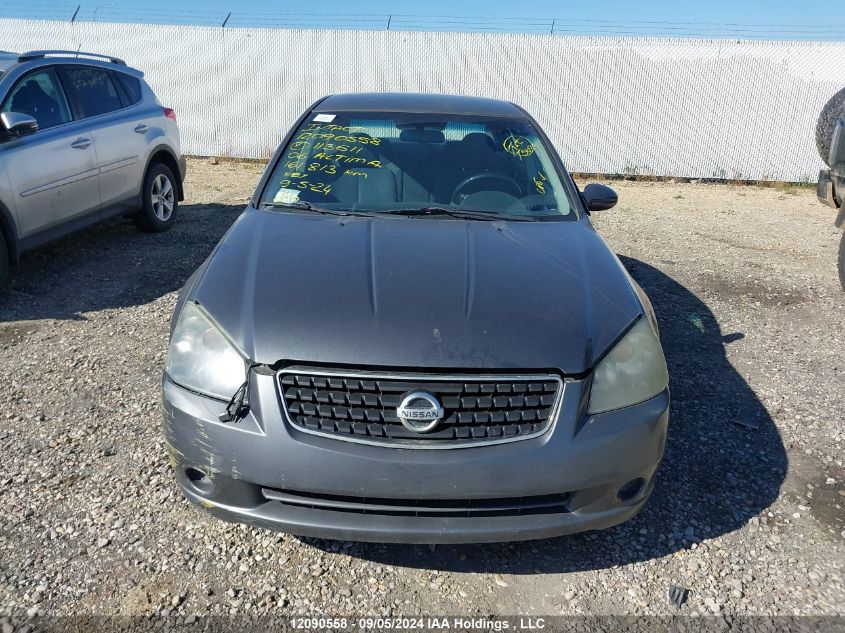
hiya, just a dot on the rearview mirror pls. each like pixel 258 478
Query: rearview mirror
pixel 18 124
pixel 599 197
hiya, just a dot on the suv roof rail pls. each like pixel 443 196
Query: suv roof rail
pixel 29 56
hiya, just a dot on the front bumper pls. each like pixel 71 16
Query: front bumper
pixel 254 467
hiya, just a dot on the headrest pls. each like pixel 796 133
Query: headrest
pixel 32 86
pixel 477 142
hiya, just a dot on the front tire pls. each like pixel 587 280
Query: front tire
pixel 160 200
pixel 842 262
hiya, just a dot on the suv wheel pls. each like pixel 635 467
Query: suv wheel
pixel 161 203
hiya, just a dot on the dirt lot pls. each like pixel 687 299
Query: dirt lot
pixel 749 519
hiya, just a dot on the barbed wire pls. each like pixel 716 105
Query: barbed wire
pixel 107 12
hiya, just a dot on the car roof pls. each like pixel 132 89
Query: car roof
pixel 419 102
pixel 8 60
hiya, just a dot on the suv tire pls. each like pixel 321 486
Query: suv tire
pixel 160 200
pixel 830 114
pixel 842 262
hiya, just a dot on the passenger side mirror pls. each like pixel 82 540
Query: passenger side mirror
pixel 18 124
pixel 599 197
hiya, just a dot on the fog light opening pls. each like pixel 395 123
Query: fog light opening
pixel 631 489
pixel 199 481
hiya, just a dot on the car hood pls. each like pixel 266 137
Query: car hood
pixel 417 292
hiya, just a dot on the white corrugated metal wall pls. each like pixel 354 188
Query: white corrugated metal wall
pixel 667 107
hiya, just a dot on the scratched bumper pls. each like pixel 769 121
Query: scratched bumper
pixel 263 472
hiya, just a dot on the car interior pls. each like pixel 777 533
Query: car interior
pixel 31 98
pixel 420 166
pixel 94 90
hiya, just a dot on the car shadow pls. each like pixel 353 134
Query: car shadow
pixel 113 265
pixel 715 475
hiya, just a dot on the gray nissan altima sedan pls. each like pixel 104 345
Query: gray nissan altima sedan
pixel 414 334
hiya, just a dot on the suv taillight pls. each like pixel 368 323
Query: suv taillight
pixel 170 113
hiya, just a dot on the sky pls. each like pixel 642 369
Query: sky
pixel 807 19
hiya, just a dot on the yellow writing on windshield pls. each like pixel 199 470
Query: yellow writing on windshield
pixel 335 147
pixel 332 127
pixel 328 148
pixel 539 181
pixel 328 169
pixel 340 138
pixel 518 146
pixel 352 172
pixel 300 145
pixel 343 158
pixel 316 187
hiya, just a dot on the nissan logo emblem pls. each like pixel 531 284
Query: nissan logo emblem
pixel 419 411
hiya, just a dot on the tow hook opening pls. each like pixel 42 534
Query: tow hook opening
pixel 631 489
pixel 200 482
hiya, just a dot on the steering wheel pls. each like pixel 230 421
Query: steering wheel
pixel 458 195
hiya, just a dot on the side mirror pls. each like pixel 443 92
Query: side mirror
pixel 18 124
pixel 599 197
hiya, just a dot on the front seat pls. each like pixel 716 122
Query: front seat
pixel 32 100
pixel 366 186
pixel 474 154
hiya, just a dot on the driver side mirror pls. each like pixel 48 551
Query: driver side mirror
pixel 18 124
pixel 599 197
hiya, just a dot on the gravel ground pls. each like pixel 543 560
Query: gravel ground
pixel 747 512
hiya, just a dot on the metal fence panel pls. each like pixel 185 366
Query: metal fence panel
pixel 666 107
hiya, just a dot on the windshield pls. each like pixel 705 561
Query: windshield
pixel 399 162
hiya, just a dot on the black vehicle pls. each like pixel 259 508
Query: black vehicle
pixel 830 140
pixel 413 333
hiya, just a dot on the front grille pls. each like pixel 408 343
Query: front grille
pixel 510 506
pixel 361 406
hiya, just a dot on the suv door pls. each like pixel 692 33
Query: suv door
pixel 118 129
pixel 53 171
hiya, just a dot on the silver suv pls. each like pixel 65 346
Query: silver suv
pixel 82 138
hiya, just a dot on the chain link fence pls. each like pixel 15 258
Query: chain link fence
pixel 696 108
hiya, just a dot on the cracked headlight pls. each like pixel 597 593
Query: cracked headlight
pixel 202 358
pixel 634 371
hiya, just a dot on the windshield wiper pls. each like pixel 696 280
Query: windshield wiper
pixel 463 214
pixel 307 206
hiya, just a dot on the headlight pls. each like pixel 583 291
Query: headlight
pixel 202 358
pixel 632 372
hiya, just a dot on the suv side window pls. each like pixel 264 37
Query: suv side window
pixel 39 94
pixel 131 86
pixel 92 90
